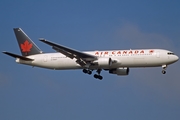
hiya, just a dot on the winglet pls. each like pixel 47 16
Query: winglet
pixel 42 39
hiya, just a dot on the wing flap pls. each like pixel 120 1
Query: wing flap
pixel 64 52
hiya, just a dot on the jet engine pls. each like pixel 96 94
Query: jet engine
pixel 120 71
pixel 103 62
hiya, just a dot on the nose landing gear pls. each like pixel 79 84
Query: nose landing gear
pixel 164 69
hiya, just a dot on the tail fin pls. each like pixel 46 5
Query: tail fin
pixel 26 45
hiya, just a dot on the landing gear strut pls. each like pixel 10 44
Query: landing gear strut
pixel 164 69
pixel 98 76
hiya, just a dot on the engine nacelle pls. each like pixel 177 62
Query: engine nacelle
pixel 103 62
pixel 120 71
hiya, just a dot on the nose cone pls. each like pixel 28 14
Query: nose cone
pixel 173 59
pixel 176 58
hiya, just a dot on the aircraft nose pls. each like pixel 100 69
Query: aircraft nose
pixel 173 58
pixel 176 58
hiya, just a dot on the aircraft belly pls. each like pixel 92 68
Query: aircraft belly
pixel 138 61
pixel 55 63
pixel 67 64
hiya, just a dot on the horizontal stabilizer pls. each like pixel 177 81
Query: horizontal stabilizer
pixel 17 56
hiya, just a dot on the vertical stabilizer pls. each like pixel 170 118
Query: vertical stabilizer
pixel 26 45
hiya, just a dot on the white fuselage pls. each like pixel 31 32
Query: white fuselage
pixel 123 58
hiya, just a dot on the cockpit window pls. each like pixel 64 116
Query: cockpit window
pixel 170 53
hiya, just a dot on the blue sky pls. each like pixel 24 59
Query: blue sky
pixel 40 94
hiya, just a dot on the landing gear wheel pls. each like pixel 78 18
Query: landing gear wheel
pixel 95 76
pixel 98 77
pixel 163 72
pixel 85 71
pixel 89 72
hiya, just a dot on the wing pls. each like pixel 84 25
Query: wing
pixel 82 58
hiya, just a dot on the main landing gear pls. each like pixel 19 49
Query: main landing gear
pixel 97 76
pixel 164 69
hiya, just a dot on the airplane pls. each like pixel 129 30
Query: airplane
pixel 114 61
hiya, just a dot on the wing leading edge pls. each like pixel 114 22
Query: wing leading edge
pixel 82 58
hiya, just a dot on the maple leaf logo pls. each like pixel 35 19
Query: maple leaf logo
pixel 26 46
